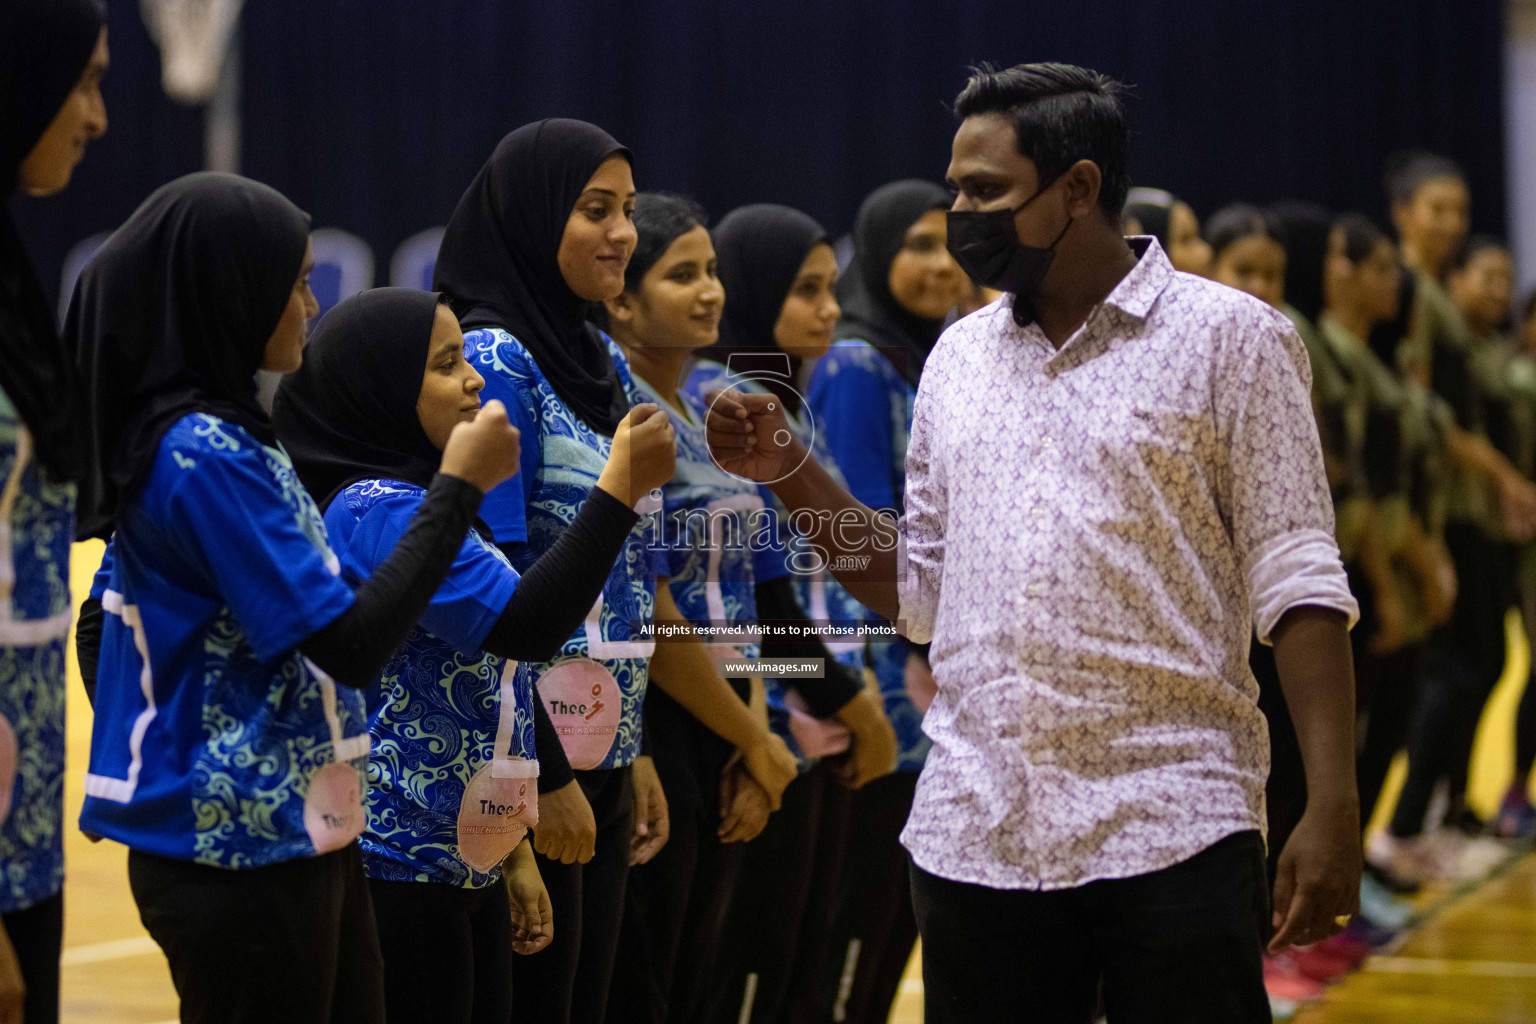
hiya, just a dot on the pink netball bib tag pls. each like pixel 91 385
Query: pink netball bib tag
pixel 500 803
pixel 583 702
pixel 333 808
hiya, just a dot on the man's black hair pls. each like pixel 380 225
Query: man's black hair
pixel 1061 114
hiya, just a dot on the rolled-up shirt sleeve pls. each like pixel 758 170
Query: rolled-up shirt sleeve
pixel 921 560
pixel 1273 490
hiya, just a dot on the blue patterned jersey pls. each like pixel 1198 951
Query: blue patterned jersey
pixel 435 709
pixel 714 536
pixel 35 614
pixel 206 749
pixel 864 409
pixel 561 460
pixel 818 592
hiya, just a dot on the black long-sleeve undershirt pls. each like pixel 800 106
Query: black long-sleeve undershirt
pixel 88 643
pixel 551 601
pixel 553 597
pixel 354 646
pixel 824 697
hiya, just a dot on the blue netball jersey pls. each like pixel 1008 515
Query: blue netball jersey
pixel 864 409
pixel 436 707
pixel 35 613
pixel 715 538
pixel 562 458
pixel 819 593
pixel 206 749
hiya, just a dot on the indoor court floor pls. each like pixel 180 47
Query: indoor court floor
pixel 1473 961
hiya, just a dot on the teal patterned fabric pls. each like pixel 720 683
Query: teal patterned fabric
pixel 561 460
pixel 700 497
pixel 35 611
pixel 219 568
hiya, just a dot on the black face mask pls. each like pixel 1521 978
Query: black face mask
pixel 986 245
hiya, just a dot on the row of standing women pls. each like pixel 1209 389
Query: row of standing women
pixel 345 652
pixel 1423 393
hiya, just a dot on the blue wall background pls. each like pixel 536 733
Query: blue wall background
pixel 374 114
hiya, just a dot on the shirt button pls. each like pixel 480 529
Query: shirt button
pixel 1046 443
pixel 1035 590
pixel 1037 512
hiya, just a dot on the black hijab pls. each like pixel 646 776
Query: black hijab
pixel 870 311
pixel 498 261
pixel 172 316
pixel 1307 227
pixel 349 413
pixel 760 250
pixel 45 45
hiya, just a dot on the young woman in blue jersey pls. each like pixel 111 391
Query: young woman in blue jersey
pixel 895 295
pixel 230 738
pixel 543 230
pixel 674 902
pixel 451 785
pixel 52 56
pixel 718 549
pixel 779 274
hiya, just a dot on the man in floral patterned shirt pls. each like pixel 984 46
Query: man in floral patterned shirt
pixel 1113 480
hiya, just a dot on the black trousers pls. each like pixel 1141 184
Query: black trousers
pixel 567 981
pixel 873 927
pixel 294 942
pixel 675 905
pixel 804 1002
pixel 1388 688
pixel 447 952
pixel 1178 946
pixel 1525 731
pixel 1525 716
pixel 756 961
pixel 1462 664
pixel 37 935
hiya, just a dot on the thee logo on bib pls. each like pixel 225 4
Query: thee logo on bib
pixel 583 701
pixel 333 808
pixel 495 812
pixel 492 809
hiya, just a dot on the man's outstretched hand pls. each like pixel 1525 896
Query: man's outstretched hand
pixel 749 435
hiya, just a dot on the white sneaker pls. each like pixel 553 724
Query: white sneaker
pixel 1447 848
pixel 1410 859
pixel 1479 857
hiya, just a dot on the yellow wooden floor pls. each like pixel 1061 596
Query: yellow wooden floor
pixel 1474 962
